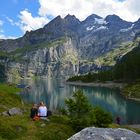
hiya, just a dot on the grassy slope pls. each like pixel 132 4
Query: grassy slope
pixel 111 57
pixel 18 54
pixel 132 91
pixel 22 127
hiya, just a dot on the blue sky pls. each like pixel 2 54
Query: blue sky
pixel 11 9
pixel 18 16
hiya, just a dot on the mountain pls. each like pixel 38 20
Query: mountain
pixel 66 46
pixel 128 67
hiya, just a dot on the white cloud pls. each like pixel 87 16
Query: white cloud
pixel 11 21
pixel 28 22
pixel 128 9
pixel 2 36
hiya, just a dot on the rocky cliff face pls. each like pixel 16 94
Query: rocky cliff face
pixel 66 46
pixel 57 60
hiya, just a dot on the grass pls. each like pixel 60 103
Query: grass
pixel 136 130
pixel 55 131
pixel 3 55
pixel 21 127
pixel 18 54
pixel 111 57
pixel 132 90
pixel 8 98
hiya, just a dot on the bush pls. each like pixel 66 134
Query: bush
pixel 82 114
pixel 103 118
pixel 78 106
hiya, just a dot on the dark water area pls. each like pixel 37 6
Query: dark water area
pixel 54 91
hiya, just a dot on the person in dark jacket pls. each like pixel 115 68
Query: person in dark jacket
pixel 34 111
pixel 118 120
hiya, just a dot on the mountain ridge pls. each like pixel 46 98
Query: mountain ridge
pixel 65 45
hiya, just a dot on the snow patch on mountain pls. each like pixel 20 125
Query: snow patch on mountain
pixel 100 21
pixel 90 28
pixel 101 28
pixel 127 29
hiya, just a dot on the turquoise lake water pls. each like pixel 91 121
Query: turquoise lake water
pixel 54 91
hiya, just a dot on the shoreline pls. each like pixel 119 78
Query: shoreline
pixel 107 85
pixel 94 84
pixel 131 98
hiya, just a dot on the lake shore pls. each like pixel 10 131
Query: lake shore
pixel 107 85
pixel 95 84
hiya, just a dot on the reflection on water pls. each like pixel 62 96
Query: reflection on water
pixel 54 92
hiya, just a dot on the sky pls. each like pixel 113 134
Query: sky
pixel 19 16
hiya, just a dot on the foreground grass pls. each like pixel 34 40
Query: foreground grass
pixel 8 98
pixel 136 130
pixel 21 127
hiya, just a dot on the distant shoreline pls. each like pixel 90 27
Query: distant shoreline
pixel 106 84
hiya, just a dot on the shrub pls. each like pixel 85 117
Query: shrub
pixel 78 106
pixel 82 114
pixel 103 118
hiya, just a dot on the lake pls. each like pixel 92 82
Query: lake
pixel 54 91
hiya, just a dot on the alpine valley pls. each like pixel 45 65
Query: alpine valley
pixel 67 46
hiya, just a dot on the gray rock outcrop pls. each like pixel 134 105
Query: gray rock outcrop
pixel 15 111
pixel 93 133
pixel 12 111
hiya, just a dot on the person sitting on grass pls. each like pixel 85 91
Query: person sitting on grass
pixel 42 111
pixel 34 111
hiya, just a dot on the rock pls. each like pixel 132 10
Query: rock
pixel 93 133
pixel 5 113
pixel 15 111
pixel 43 125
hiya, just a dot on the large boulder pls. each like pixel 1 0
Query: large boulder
pixel 93 133
pixel 15 111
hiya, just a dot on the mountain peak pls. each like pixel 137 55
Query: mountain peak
pixel 57 20
pixel 69 16
pixel 71 21
pixel 138 21
pixel 92 17
pixel 113 18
